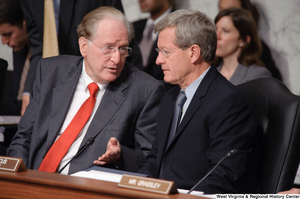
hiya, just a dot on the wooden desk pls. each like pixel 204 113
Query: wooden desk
pixel 39 184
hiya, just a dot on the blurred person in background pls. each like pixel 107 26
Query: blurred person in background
pixel 13 33
pixel 238 47
pixel 145 35
pixel 265 56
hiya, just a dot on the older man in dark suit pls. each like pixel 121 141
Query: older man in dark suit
pixel 203 117
pixel 68 15
pixel 125 103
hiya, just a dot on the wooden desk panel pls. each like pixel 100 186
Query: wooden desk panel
pixel 38 184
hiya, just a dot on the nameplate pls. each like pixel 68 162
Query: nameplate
pixel 148 184
pixel 12 164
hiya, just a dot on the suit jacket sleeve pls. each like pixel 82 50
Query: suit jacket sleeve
pixel 35 38
pixel 21 142
pixel 232 125
pixel 149 166
pixel 145 129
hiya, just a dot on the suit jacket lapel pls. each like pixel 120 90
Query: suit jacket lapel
pixel 153 53
pixel 62 97
pixel 65 19
pixel 139 27
pixel 166 120
pixel 238 74
pixel 38 15
pixel 196 101
pixel 111 101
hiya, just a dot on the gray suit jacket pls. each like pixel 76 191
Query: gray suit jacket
pixel 244 73
pixel 128 111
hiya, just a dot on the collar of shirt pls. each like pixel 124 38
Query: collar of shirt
pixel 190 91
pixel 86 80
pixel 80 95
pixel 150 21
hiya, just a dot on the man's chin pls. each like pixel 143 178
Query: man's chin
pixel 112 77
pixel 168 80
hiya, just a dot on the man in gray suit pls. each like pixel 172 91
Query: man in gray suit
pixel 126 104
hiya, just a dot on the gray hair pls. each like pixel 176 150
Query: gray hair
pixel 192 27
pixel 89 23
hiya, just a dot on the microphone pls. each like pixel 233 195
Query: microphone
pixel 90 141
pixel 230 153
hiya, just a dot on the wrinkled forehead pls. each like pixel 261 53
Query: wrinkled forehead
pixel 166 38
pixel 109 27
pixel 111 31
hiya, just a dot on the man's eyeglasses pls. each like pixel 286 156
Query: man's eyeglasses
pixel 108 50
pixel 166 53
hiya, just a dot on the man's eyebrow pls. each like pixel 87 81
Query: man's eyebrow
pixel 113 44
pixel 164 48
pixel 109 44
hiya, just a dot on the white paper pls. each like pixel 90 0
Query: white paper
pixel 1 137
pixel 297 178
pixel 112 177
pixel 6 120
pixel 195 193
pixel 99 175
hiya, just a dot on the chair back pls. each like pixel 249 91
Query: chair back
pixel 3 69
pixel 279 115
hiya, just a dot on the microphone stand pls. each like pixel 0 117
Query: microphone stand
pixel 230 153
pixel 90 141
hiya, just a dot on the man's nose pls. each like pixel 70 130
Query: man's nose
pixel 116 55
pixel 160 59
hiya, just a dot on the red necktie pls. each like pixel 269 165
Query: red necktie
pixel 59 149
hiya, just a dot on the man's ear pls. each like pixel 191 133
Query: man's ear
pixel 83 45
pixel 195 53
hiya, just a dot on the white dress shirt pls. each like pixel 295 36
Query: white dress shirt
pixel 81 94
pixel 190 91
